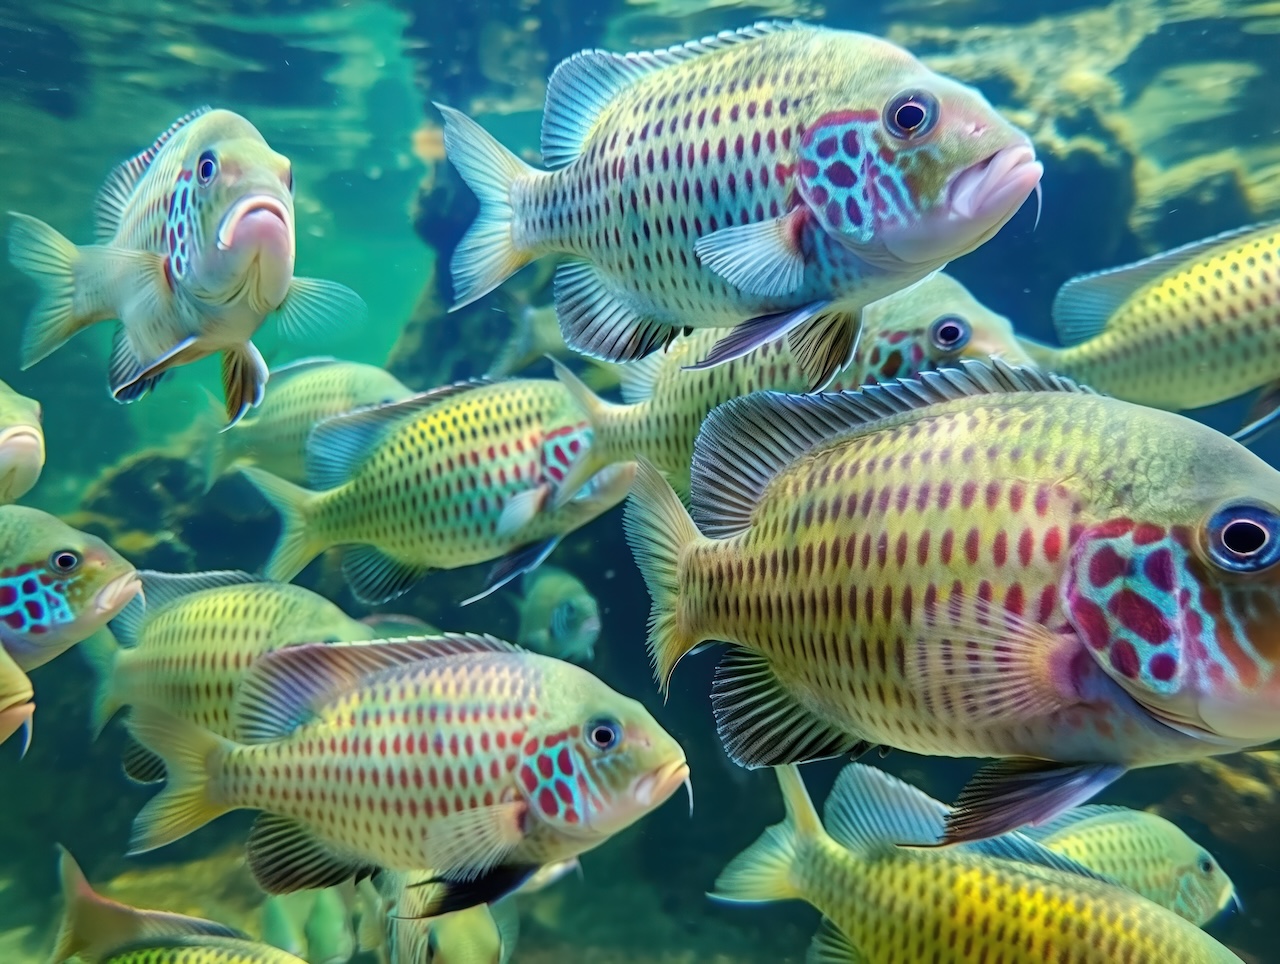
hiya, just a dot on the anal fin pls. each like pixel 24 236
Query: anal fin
pixel 286 855
pixel 375 577
pixel 244 380
pixel 745 337
pixel 823 346
pixel 140 764
pixel 597 322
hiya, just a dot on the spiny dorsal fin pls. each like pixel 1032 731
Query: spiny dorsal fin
pixel 746 441
pixel 583 84
pixel 1085 304
pixel 113 196
pixel 160 589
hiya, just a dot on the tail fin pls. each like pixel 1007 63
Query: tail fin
pixel 599 453
pixel 658 530
pixel 763 872
pixel 100 651
pixel 298 545
pixel 52 262
pixel 192 758
pixel 486 256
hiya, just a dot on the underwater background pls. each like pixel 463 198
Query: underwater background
pixel 1158 122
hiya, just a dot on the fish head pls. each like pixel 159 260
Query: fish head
pixel 21 444
pixel 59 586
pixel 230 225
pixel 575 624
pixel 599 762
pixel 1203 889
pixel 908 168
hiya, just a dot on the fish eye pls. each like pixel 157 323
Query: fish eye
pixel 207 167
pixel 288 179
pixel 950 333
pixel 1242 537
pixel 911 114
pixel 604 733
pixel 1206 865
pixel 64 560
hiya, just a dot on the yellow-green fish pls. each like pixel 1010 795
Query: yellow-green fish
pixel 194 251
pixel 1146 853
pixel 931 324
pixel 93 927
pixel 16 694
pixel 535 333
pixel 302 394
pixel 460 754
pixel 200 950
pixel 983 561
pixel 1191 327
pixel 483 934
pixel 558 615
pixel 888 904
pixel 283 918
pixel 21 444
pixel 452 477
pixel 330 937
pixel 777 178
pixel 58 585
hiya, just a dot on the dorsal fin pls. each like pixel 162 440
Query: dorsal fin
pixel 1085 304
pixel 303 365
pixel 746 441
pixel 337 446
pixel 159 589
pixel 583 84
pixel 113 196
pixel 285 687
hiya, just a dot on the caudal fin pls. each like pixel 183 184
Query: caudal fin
pixel 298 544
pixel 50 260
pixel 192 758
pixel 658 530
pixel 487 255
pixel 598 454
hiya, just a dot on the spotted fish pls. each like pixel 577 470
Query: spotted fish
pixel 983 561
pixel 776 179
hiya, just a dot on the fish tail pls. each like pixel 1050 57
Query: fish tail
pixel 487 254
pixel 192 759
pixel 54 264
pixel 298 544
pixel 89 920
pixel 765 870
pixel 100 651
pixel 598 454
pixel 659 530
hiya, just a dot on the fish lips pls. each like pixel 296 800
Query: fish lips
pixel 116 594
pixel 21 461
pixel 257 218
pixel 655 788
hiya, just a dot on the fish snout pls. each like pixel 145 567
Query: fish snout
pixel 21 461
pixel 116 594
pixel 992 190
pixel 657 786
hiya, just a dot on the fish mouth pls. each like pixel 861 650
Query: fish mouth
pixel 21 460
pixel 116 594
pixel 590 625
pixel 654 789
pixel 256 210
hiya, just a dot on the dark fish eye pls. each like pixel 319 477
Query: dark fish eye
pixel 604 733
pixel 1242 537
pixel 911 114
pixel 207 167
pixel 950 333
pixel 1206 865
pixel 64 560
pixel 288 179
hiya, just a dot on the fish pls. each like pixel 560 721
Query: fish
pixel 930 325
pixel 58 585
pixel 774 179
pixel 460 754
pixel 21 444
pixel 483 934
pixel 885 903
pixel 1145 853
pixel 452 477
pixel 283 919
pixel 535 333
pixel 558 615
pixel 194 251
pixel 16 707
pixel 302 393
pixel 330 938
pixel 93 926
pixel 1186 328
pixel 982 561
pixel 200 950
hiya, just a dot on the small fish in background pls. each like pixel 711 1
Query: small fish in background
pixel 1190 327
pixel 194 252
pixel 558 615
pixel 459 753
pixel 302 394
pixel 1105 573
pixel 283 917
pixel 483 934
pixel 777 178
pixel 933 323
pixel 16 707
pixel 453 477
pixel 21 444
pixel 330 936
pixel 535 333
pixel 93 926
pixel 58 585
pixel 888 895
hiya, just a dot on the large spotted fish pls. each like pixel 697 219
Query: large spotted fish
pixel 776 179
pixel 194 251
pixel 463 755
pixel 983 561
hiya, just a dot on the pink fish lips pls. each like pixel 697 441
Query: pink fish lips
pixel 259 220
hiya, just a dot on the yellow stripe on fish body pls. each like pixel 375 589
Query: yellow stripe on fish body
pixel 450 478
pixel 200 950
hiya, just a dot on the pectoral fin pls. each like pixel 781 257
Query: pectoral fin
pixel 313 306
pixel 763 258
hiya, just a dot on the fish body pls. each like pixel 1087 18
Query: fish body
pixel 58 585
pixel 195 249
pixel 784 174
pixel 931 324
pixel 302 394
pixel 558 615
pixel 984 561
pixel 201 950
pixel 458 476
pixel 889 904
pixel 21 444
pixel 460 754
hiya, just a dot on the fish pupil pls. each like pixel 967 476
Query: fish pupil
pixel 1244 537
